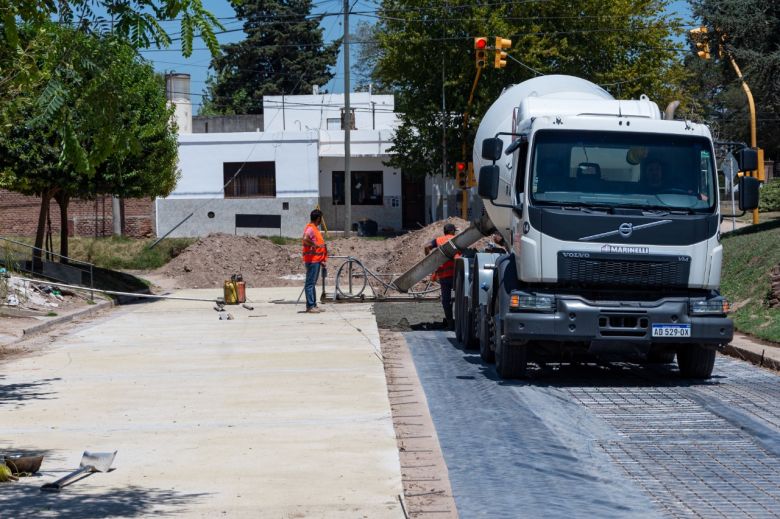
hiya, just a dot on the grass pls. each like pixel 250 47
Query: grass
pixel 748 256
pixel 121 252
pixel 51 314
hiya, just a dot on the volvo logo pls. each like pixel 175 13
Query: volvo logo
pixel 626 230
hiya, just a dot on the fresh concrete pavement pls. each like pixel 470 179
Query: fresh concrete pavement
pixel 276 413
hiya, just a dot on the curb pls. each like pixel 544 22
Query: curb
pixel 48 325
pixel 753 357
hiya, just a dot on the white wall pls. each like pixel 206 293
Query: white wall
pixel 201 157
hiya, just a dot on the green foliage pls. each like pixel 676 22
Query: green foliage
pixel 118 252
pixel 283 53
pixel 770 197
pixel 750 30
pixel 748 257
pixel 112 133
pixel 136 21
pixel 627 47
pixel 122 252
pixel 36 59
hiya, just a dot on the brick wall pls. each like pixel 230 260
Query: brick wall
pixel 19 216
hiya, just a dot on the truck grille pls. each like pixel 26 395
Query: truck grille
pixel 599 269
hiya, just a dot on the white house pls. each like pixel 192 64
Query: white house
pixel 266 182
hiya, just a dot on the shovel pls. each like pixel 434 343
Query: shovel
pixel 90 462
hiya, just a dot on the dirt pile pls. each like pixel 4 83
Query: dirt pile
pixel 211 260
pixel 214 258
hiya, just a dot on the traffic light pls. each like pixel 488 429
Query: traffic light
pixel 500 59
pixel 702 42
pixel 480 54
pixel 461 175
pixel 472 181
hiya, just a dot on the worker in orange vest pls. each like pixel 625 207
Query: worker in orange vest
pixel 445 274
pixel 315 254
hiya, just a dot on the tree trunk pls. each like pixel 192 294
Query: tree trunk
pixel 63 200
pixel 40 232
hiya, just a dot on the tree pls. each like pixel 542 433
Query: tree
pixel 116 109
pixel 134 21
pixel 626 47
pixel 750 32
pixel 283 53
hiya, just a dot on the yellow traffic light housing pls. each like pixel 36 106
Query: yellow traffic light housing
pixel 461 175
pixel 480 52
pixel 499 61
pixel 701 40
pixel 472 180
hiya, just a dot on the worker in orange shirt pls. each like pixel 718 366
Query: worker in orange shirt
pixel 445 274
pixel 315 254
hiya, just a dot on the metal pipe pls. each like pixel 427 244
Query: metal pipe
pixel 447 251
pixel 670 109
pixel 752 108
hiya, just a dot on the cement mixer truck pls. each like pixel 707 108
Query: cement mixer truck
pixel 610 214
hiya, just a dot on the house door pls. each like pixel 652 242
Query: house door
pixel 413 201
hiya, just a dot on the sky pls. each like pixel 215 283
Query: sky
pixel 197 65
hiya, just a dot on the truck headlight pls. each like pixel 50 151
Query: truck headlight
pixel 714 306
pixel 523 301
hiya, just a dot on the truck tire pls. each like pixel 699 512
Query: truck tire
pixel 485 336
pixel 458 310
pixel 660 357
pixel 469 327
pixel 695 361
pixel 511 361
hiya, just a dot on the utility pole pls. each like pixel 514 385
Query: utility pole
pixel 116 203
pixel 347 128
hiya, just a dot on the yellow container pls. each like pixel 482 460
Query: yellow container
pixel 231 294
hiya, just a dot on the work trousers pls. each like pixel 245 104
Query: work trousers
pixel 446 296
pixel 310 286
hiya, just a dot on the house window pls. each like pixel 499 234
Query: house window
pixel 367 188
pixel 255 179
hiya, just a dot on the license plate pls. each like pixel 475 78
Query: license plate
pixel 671 330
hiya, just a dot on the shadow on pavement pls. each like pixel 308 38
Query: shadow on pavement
pixel 15 394
pixel 25 500
pixel 593 373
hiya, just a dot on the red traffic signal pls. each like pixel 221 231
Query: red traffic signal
pixel 480 54
pixel 461 176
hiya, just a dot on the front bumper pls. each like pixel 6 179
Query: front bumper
pixel 578 320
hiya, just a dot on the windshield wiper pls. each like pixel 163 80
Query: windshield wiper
pixel 585 207
pixel 665 209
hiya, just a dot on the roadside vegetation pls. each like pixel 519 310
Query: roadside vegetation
pixel 749 257
pixel 123 253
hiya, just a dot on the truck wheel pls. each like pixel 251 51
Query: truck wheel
pixel 695 361
pixel 660 357
pixel 469 342
pixel 458 310
pixel 511 359
pixel 485 337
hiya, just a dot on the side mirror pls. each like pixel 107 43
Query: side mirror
pixel 488 182
pixel 491 149
pixel 748 193
pixel 747 159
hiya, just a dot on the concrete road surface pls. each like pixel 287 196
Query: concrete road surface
pixel 276 413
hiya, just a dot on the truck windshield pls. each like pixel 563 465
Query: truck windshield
pixel 623 170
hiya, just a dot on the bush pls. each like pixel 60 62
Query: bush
pixel 770 197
